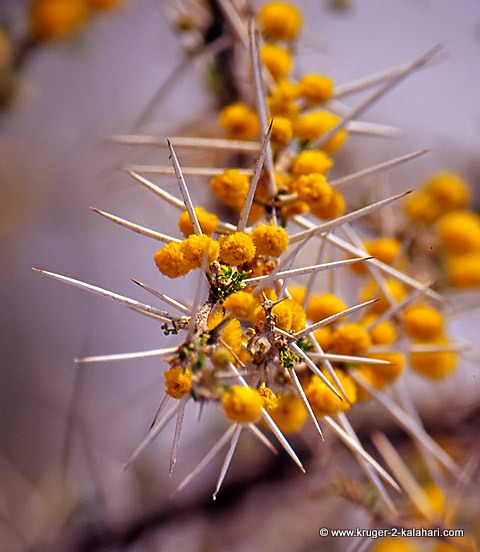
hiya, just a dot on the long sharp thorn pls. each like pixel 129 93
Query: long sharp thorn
pixel 159 411
pixel 176 438
pixel 207 172
pixel 322 228
pixel 315 369
pixel 228 459
pixel 305 270
pixel 376 96
pixel 169 300
pixel 242 223
pixel 370 472
pixel 348 358
pixel 235 21
pixel 403 474
pixel 272 425
pixel 307 405
pixel 184 191
pixel 157 190
pixel 333 318
pixel 126 356
pixel 153 433
pixel 187 142
pixel 131 303
pixel 354 446
pixel 375 169
pixel 408 424
pixel 351 249
pixel 136 227
pixel 261 437
pixel 205 460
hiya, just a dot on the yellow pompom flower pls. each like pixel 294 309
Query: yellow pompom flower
pixel 231 187
pixel 423 322
pixel 239 121
pixel 383 249
pixel 171 261
pixel 323 306
pixel 282 132
pixel 297 294
pixel 311 161
pixel 270 240
pixel 324 337
pixel 313 188
pixel 236 249
pixel 277 60
pixel 459 232
pixel 371 291
pixel 283 314
pixel 464 270
pixel 178 382
pixel 241 304
pixel 351 339
pixel 324 402
pixel 299 319
pixel 279 20
pixel 232 335
pixel 448 190
pixel 242 404
pixel 420 207
pixel 316 88
pixel 208 222
pixel 383 333
pixel 434 364
pixel 334 208
pixel 194 248
pixel 289 414
pixel 281 100
pixel 393 544
pixel 56 19
pixel 315 124
pixel 380 375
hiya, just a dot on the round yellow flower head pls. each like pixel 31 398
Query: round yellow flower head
pixel 380 375
pixel 236 249
pixel 297 294
pixel 280 20
pixel 270 240
pixel 371 291
pixel 434 364
pixel 393 544
pixel 299 319
pixel 384 333
pixel 241 304
pixel 323 306
pixel 282 131
pixel 231 187
pixel 313 125
pixel 324 337
pixel 313 188
pixel 171 261
pixel 311 161
pixel 194 248
pixel 239 121
pixel 420 207
pixel 281 100
pixel 464 270
pixel 324 402
pixel 459 232
pixel 208 222
pixel 178 382
pixel 277 60
pixel 448 190
pixel 423 322
pixel 351 339
pixel 289 414
pixel 269 398
pixel 383 249
pixel 334 208
pixel 283 314
pixel 232 335
pixel 316 88
pixel 56 19
pixel 242 404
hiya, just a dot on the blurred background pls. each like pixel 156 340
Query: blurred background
pixel 66 429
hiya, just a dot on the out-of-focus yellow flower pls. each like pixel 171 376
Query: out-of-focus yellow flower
pixel 56 19
pixel 280 20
